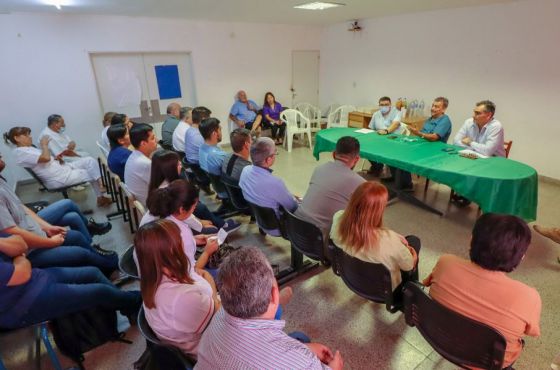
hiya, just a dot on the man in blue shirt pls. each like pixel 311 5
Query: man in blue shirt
pixel 210 156
pixel 193 138
pixel 119 140
pixel 258 184
pixel 438 126
pixel 245 113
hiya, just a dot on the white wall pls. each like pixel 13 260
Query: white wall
pixel 45 66
pixel 507 53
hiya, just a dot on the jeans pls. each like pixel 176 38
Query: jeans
pixel 72 290
pixel 66 213
pixel 202 212
pixel 68 256
pixel 278 130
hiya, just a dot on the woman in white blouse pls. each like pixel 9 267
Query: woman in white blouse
pixel 53 171
pixel 179 300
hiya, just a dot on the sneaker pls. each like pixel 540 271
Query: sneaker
pixel 231 226
pixel 207 189
pixel 98 228
pixel 102 251
pixel 553 233
pixel 104 201
pixel 460 201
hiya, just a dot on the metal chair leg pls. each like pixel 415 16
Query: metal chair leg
pixel 48 346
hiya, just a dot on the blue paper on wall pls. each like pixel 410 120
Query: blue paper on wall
pixel 168 82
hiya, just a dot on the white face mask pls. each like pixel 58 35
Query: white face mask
pixel 62 129
pixel 384 110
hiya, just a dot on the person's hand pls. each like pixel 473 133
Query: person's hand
pixel 52 230
pixel 337 363
pixel 71 145
pixel 321 351
pixel 382 132
pixel 44 142
pixel 206 223
pixel 467 141
pixel 414 130
pixel 241 123
pixel 200 239
pixel 211 246
pixel 427 281
pixel 56 240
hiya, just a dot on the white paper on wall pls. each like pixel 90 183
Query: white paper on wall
pixel 124 87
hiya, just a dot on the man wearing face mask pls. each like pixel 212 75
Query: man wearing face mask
pixel 387 120
pixel 60 145
pixel 331 185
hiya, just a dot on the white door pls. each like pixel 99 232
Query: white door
pixel 305 77
pixel 141 85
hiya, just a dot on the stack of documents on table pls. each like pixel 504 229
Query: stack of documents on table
pixel 364 131
pixel 468 152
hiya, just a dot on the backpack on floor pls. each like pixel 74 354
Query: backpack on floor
pixel 80 332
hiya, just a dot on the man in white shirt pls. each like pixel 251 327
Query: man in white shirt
pixel 482 133
pixel 106 124
pixel 139 165
pixel 60 144
pixel 181 129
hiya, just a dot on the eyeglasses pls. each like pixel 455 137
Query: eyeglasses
pixel 273 154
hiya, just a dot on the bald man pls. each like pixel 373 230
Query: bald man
pixel 170 124
pixel 245 113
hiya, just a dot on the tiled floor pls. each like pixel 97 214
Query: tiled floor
pixel 367 335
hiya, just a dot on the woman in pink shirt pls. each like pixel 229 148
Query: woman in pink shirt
pixel 179 301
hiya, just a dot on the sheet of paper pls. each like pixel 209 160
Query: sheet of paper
pixel 222 235
pixel 472 152
pixel 364 131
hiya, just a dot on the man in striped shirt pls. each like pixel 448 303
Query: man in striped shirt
pixel 243 334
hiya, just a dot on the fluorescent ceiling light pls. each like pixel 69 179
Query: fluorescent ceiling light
pixel 318 5
pixel 56 3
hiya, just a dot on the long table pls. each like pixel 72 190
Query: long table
pixel 496 184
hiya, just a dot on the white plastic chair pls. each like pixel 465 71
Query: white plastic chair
pixel 312 113
pixel 339 117
pixel 329 109
pixel 103 150
pixel 291 117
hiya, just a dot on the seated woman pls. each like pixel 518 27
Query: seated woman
pixel 480 289
pixel 31 295
pixel 53 171
pixel 271 112
pixel 166 167
pixel 179 300
pixel 359 231
pixel 176 203
pixel 119 138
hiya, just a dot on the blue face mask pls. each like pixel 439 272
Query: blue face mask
pixel 384 110
pixel 62 129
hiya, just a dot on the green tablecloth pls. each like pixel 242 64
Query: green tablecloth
pixel 497 184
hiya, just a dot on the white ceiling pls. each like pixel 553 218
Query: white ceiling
pixel 253 11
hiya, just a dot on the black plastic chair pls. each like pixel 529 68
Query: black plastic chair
pixel 306 238
pixel 371 281
pixel 165 356
pixel 267 219
pixel 235 194
pixel 63 190
pixel 127 265
pixel 457 338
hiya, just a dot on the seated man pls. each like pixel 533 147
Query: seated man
pixel 482 133
pixel 138 166
pixel 193 138
pixel 438 126
pixel 53 172
pixel 235 162
pixel 247 326
pixel 332 185
pixel 169 125
pixel 60 144
pixel 498 245
pixel 185 123
pixel 387 120
pixel 245 113
pixel 210 156
pixel 31 295
pixel 119 138
pixel 106 124
pixel 258 184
